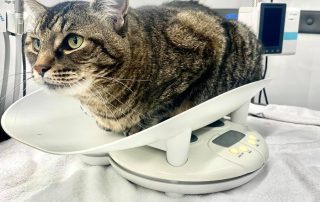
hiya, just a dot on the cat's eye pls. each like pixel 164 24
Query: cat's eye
pixel 36 44
pixel 74 41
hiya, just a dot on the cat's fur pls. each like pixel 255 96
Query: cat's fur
pixel 138 67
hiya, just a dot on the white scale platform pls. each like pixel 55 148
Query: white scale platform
pixel 161 157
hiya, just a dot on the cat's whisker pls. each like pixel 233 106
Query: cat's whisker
pixel 107 102
pixel 11 75
pixel 2 99
pixel 113 79
pixel 120 109
pixel 110 78
pixel 138 80
pixel 123 79
pixel 124 104
pixel 99 97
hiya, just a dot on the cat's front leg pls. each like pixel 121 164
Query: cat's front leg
pixel 145 123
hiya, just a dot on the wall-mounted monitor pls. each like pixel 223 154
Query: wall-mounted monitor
pixel 272 24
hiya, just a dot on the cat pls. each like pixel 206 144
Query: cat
pixel 133 68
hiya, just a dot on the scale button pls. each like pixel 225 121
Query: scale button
pixel 253 142
pixel 243 148
pixel 234 151
pixel 252 137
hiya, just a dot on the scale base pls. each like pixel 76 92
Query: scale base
pixel 210 167
pixel 176 189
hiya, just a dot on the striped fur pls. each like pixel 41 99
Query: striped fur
pixel 159 62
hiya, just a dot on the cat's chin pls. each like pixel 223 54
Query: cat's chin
pixel 74 89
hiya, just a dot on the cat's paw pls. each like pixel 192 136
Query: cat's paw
pixel 131 131
pixel 103 128
pixel 126 134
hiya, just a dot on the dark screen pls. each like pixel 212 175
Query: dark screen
pixel 229 138
pixel 272 26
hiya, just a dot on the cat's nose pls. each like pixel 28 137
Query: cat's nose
pixel 42 69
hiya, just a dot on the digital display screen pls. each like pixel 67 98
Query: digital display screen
pixel 229 138
pixel 272 21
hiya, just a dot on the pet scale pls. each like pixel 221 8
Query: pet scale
pixel 221 155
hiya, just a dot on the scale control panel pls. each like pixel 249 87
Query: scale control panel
pixel 236 144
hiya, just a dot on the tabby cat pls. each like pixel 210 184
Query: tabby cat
pixel 133 68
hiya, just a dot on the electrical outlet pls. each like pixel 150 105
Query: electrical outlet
pixel 310 22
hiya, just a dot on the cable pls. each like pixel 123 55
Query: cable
pixel 264 92
pixel 264 76
pixel 5 71
pixel 265 96
pixel 24 66
pixel 18 68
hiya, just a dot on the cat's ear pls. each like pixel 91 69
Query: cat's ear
pixel 34 8
pixel 117 9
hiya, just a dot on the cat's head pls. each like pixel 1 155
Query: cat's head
pixel 74 43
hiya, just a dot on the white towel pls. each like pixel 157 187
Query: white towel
pixel 291 174
pixel 289 114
